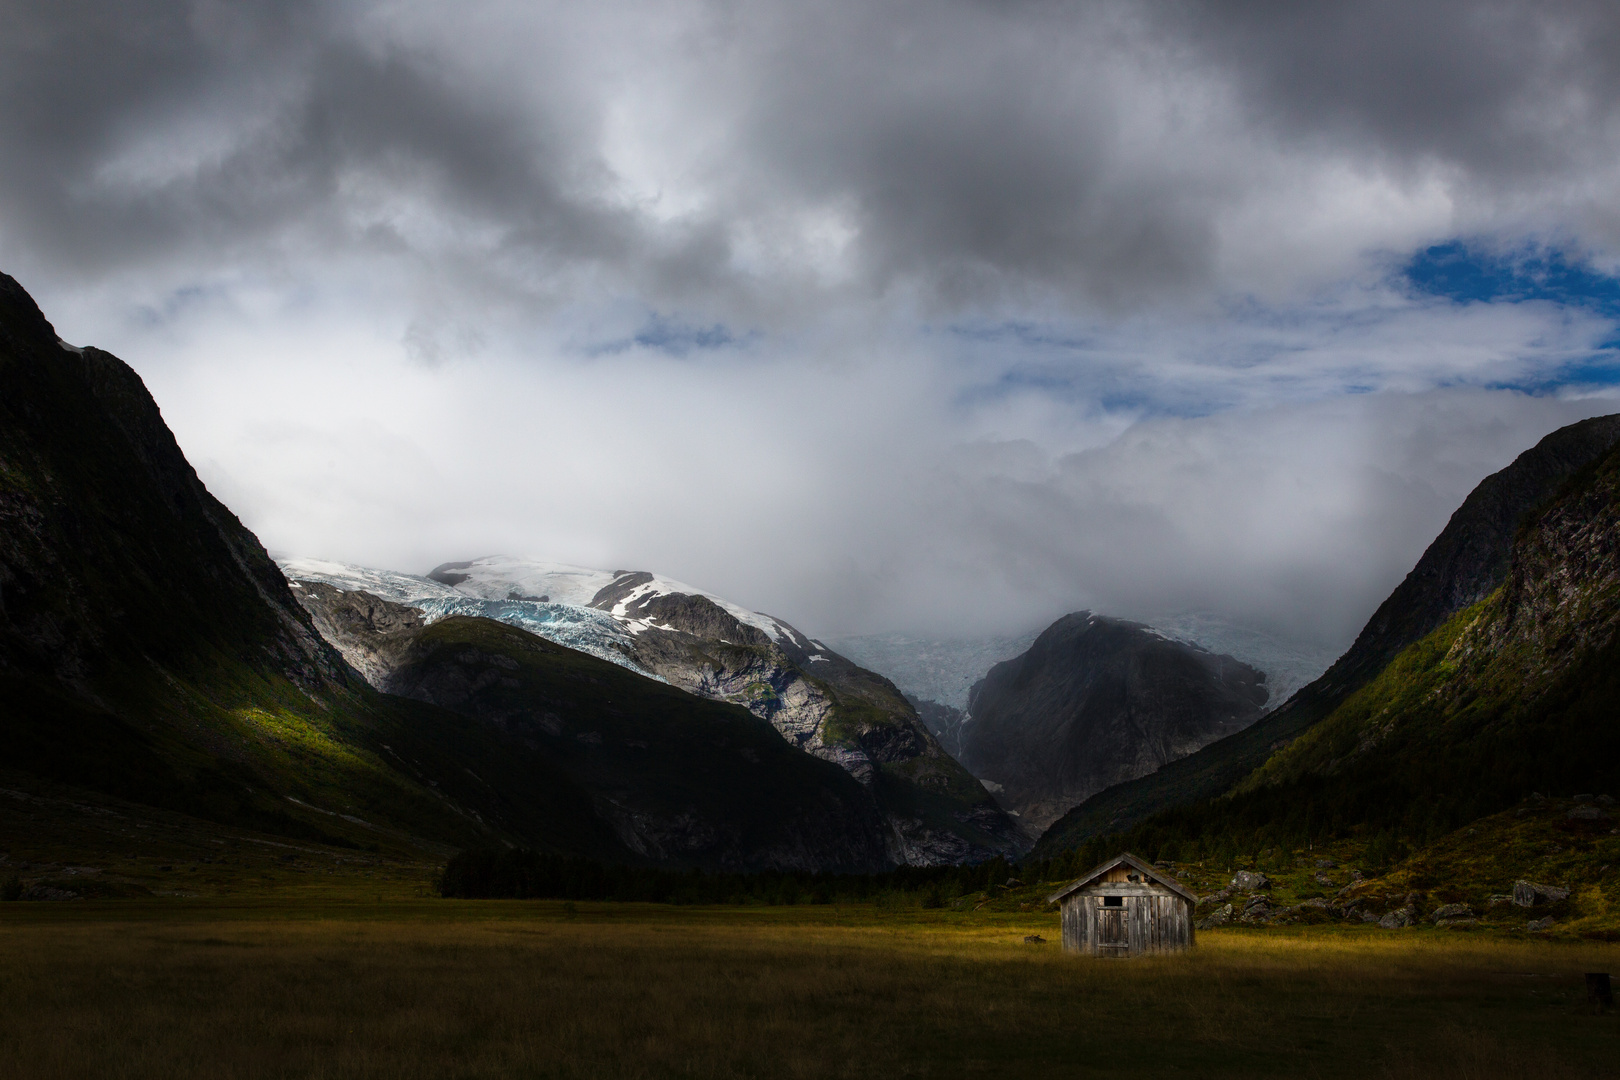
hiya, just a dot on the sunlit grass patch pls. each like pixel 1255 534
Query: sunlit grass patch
pixel 496 988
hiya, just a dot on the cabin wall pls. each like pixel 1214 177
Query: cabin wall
pixel 1155 921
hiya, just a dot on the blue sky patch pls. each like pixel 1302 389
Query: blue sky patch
pixel 1464 274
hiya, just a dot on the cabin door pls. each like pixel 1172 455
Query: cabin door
pixel 1112 939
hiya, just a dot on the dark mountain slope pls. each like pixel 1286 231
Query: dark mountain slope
pixel 1466 562
pixel 111 547
pixel 830 707
pixel 150 650
pixel 1096 701
pixel 1515 694
pixel 820 702
pixel 679 778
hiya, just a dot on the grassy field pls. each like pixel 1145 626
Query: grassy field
pixel 227 987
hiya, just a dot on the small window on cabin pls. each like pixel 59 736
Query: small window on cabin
pixel 1133 877
pixel 1113 901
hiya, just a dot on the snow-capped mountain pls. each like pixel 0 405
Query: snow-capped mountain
pixel 816 699
pixel 569 622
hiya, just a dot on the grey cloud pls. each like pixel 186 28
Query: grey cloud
pixel 643 252
pixel 1295 520
pixel 982 153
pixel 1502 89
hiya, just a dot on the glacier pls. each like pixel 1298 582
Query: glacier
pixel 569 623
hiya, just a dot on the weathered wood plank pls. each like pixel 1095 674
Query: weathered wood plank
pixel 1149 918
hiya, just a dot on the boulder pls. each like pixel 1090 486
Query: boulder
pixel 1529 894
pixel 1326 864
pixel 1536 926
pixel 1588 813
pixel 1398 919
pixel 1250 881
pixel 1448 913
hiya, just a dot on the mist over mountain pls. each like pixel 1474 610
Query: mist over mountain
pixel 933 669
pixel 1470 558
pixel 1169 319
pixel 1497 685
pixel 151 651
pixel 944 670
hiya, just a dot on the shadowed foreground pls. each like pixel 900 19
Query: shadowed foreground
pixel 530 989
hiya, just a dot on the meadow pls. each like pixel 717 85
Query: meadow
pixel 396 986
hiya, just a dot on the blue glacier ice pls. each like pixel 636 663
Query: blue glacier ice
pixel 572 625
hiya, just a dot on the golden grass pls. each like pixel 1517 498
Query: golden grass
pixel 451 989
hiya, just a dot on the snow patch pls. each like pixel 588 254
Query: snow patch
pixel 572 625
pixel 497 576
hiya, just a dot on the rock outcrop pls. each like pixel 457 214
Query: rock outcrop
pixel 1095 702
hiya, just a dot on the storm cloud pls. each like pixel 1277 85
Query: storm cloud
pixel 937 317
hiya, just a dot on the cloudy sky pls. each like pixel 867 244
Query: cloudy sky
pixel 940 318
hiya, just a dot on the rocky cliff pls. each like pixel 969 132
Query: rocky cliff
pixel 1524 682
pixel 1488 545
pixel 1096 701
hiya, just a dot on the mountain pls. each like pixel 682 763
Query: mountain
pixel 151 651
pixel 1516 692
pixel 1462 733
pixel 679 778
pixel 1472 557
pixel 934 811
pixel 944 722
pixel 1096 701
pixel 943 670
pixel 142 628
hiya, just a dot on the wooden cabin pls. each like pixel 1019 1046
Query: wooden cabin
pixel 1125 907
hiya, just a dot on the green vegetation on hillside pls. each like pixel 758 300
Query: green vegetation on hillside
pixel 1465 563
pixel 1433 776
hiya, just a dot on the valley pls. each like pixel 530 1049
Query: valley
pixel 771 541
pixel 404 988
pixel 223 768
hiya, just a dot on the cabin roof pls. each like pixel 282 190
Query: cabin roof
pixel 1124 859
